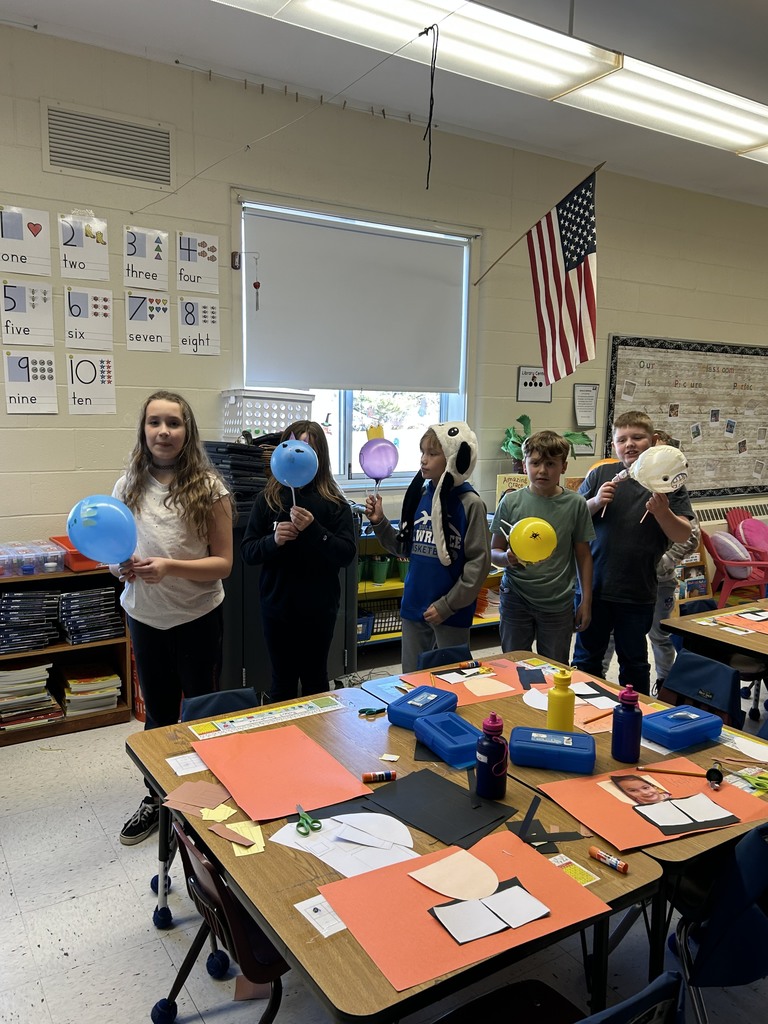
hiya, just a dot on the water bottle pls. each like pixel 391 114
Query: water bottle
pixel 560 702
pixel 627 728
pixel 492 757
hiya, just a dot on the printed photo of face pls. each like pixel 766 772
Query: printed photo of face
pixel 640 790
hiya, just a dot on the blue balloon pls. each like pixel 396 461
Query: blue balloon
pixel 294 463
pixel 102 528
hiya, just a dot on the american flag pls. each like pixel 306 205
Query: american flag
pixel 563 251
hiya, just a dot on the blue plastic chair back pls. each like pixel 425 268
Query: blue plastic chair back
pixel 665 995
pixel 444 656
pixel 219 703
pixel 707 684
pixel 706 606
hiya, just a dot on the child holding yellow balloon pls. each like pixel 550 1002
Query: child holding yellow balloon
pixel 541 559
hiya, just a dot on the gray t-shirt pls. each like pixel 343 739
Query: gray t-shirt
pixel 549 584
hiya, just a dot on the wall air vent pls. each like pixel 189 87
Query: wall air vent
pixel 89 143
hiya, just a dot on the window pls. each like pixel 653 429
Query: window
pixel 369 317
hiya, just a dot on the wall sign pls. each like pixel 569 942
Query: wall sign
pixel 531 386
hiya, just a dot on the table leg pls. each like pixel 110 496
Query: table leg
pixel 162 917
pixel 600 946
pixel 658 934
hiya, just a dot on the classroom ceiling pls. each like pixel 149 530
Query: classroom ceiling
pixel 718 42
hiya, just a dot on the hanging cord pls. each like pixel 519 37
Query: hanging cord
pixel 432 65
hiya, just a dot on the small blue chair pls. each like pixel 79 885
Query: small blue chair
pixel 706 684
pixel 440 656
pixel 221 702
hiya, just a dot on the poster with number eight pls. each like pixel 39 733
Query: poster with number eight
pixel 199 332
pixel 25 241
pixel 90 385
pixel 30 382
pixel 27 312
pixel 83 247
pixel 88 318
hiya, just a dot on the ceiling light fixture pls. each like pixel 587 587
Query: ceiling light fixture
pixel 496 48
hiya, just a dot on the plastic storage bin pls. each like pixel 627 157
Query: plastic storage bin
pixel 680 727
pixel 72 558
pixel 549 748
pixel 30 558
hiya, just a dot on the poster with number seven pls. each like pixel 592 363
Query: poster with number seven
pixel 30 382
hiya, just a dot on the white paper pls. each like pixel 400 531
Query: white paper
pixel 187 764
pixel 319 913
pixel 536 699
pixel 516 906
pixel 584 690
pixel 469 920
pixel 602 703
pixel 348 858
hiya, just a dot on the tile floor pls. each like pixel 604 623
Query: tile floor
pixel 78 941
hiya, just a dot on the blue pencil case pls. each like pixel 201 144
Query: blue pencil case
pixel 450 736
pixel 680 727
pixel 418 703
pixel 550 748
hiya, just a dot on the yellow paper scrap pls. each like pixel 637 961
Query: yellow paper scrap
pixel 389 757
pixel 251 831
pixel 220 813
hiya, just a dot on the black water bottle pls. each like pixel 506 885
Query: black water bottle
pixel 627 728
pixel 492 757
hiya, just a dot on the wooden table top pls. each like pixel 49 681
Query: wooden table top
pixel 338 969
pixel 755 642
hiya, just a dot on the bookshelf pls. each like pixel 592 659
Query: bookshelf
pixel 694 583
pixel 114 653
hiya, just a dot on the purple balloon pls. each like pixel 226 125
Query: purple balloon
pixel 378 458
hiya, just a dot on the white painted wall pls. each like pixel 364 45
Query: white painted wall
pixel 671 263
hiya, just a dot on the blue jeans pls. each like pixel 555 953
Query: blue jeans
pixel 520 624
pixel 630 624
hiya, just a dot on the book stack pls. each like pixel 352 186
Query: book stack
pixel 28 620
pixel 24 698
pixel 87 616
pixel 89 688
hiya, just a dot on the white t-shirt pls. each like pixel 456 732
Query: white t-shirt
pixel 162 533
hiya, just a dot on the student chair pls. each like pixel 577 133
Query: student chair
pixel 534 1002
pixel 444 656
pixel 722 936
pixel 734 516
pixel 704 683
pixel 758 574
pixel 225 921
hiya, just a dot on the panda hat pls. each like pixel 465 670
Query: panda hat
pixel 459 445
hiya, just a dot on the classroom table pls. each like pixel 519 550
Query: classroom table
pixel 338 969
pixel 706 639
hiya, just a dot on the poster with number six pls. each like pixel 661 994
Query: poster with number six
pixel 199 332
pixel 30 382
pixel 88 318
pixel 90 384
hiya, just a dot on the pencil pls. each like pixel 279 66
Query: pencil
pixel 670 771
pixel 595 718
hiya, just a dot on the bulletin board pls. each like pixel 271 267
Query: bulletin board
pixel 711 397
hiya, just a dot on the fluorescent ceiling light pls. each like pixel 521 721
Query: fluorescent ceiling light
pixel 493 47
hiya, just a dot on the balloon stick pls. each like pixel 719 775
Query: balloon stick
pixel 293 495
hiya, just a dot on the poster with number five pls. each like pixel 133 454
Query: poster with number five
pixel 90 385
pixel 88 318
pixel 145 258
pixel 83 247
pixel 25 241
pixel 198 262
pixel 199 333
pixel 30 382
pixel 27 312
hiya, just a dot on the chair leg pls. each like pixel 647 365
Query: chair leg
pixel 273 1005
pixel 683 934
pixel 189 961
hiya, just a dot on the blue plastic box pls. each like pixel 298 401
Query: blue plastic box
pixel 549 748
pixel 450 736
pixel 418 703
pixel 680 727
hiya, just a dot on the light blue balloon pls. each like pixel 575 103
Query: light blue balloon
pixel 294 463
pixel 102 528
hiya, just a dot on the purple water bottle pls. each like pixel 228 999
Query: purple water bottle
pixel 627 728
pixel 492 757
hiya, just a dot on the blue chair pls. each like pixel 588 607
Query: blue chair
pixel 221 702
pixel 534 1002
pixel 444 656
pixel 722 934
pixel 706 684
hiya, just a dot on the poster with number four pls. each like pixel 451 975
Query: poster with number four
pixel 199 333
pixel 30 382
pixel 27 312
pixel 197 259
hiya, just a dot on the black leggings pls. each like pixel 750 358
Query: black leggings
pixel 183 661
pixel 298 649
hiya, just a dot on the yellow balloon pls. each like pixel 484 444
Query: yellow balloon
pixel 532 540
pixel 600 462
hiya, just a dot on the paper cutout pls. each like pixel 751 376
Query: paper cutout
pixel 252 831
pixel 231 834
pixel 220 813
pixel 686 814
pixel 460 876
pixel 485 687
pixel 469 920
pixel 575 871
pixel 318 912
pixel 382 826
pixel 191 797
pixel 516 907
pixel 348 858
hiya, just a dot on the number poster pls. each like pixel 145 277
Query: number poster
pixel 88 318
pixel 145 258
pixel 198 262
pixel 27 313
pixel 90 385
pixel 83 247
pixel 30 382
pixel 147 321
pixel 199 333
pixel 25 241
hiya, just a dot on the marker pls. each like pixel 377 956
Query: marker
pixel 379 776
pixel 609 860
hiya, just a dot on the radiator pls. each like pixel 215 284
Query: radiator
pixel 711 514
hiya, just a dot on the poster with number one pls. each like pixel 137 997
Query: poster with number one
pixel 83 247
pixel 25 241
pixel 88 318
pixel 199 333
pixel 30 382
pixel 145 258
pixel 27 312
pixel 198 262
pixel 90 385
pixel 147 321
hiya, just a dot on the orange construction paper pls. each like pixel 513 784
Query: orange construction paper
pixel 270 771
pixel 616 821
pixel 387 911
pixel 735 620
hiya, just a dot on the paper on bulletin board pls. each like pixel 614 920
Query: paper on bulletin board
pixel 25 240
pixel 145 258
pixel 585 404
pixel 91 384
pixel 88 318
pixel 147 321
pixel 30 382
pixel 83 247
pixel 27 312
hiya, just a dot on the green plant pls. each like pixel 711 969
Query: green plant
pixel 513 440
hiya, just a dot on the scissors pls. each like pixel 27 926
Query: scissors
pixel 370 712
pixel 306 822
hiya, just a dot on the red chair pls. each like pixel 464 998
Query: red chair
pixel 758 576
pixel 734 516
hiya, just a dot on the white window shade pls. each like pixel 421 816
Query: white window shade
pixel 346 304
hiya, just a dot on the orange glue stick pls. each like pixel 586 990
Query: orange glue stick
pixel 379 776
pixel 607 858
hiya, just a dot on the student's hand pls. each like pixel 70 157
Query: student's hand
pixel 657 504
pixel 374 510
pixel 432 616
pixel 284 532
pixel 606 493
pixel 301 517
pixel 151 570
pixel 582 618
pixel 125 572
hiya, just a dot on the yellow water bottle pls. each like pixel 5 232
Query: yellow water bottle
pixel 560 702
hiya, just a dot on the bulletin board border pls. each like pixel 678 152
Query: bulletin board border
pixel 617 342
